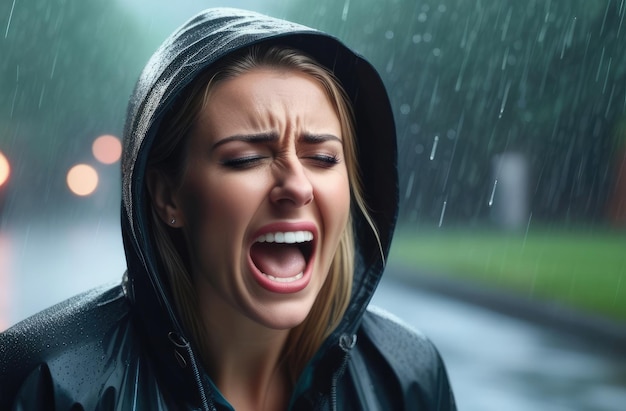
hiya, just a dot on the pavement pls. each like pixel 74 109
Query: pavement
pixel 610 334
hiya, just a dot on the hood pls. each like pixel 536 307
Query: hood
pixel 198 44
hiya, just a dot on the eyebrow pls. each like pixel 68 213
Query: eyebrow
pixel 319 138
pixel 269 137
pixel 249 138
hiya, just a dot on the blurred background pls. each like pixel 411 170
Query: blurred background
pixel 512 138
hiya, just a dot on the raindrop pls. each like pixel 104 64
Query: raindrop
pixel 506 96
pixel 17 84
pixel 464 38
pixel 437 52
pixel 507 21
pixel 542 33
pixel 456 141
pixel 422 17
pixel 608 106
pixel 600 65
pixel 344 13
pixel 43 90
pixel 433 98
pixel 570 34
pixel 6 33
pixel 606 78
pixel 442 8
pixel 419 149
pixel 606 12
pixel 530 217
pixel 405 109
pixel 459 79
pixel 427 37
pixel 505 58
pixel 493 192
pixel 409 186
pixel 434 150
pixel 389 67
pixel 389 34
pixel 443 212
pixel 417 38
pixel 54 64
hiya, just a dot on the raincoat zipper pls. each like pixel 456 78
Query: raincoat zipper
pixel 346 343
pixel 182 342
pixel 196 373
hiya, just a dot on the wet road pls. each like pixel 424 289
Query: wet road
pixel 499 363
pixel 494 362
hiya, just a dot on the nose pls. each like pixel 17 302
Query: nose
pixel 292 185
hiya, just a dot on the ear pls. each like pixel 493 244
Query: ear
pixel 162 195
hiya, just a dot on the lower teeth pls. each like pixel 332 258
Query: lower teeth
pixel 284 280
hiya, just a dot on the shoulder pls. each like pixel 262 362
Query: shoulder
pixel 56 348
pixel 405 360
pixel 396 339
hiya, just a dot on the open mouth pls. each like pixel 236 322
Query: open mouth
pixel 283 256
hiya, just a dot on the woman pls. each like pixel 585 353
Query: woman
pixel 259 200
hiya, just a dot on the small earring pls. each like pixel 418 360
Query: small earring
pixel 173 221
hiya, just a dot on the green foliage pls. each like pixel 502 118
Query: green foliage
pixel 581 269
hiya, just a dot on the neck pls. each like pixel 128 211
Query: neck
pixel 244 358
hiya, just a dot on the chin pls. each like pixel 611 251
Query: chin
pixel 285 315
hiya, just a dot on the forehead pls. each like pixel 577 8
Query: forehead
pixel 269 83
pixel 268 98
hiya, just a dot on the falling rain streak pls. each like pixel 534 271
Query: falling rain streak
pixel 409 186
pixel 54 64
pixel 606 13
pixel 567 41
pixel 530 218
pixel 493 192
pixel 443 212
pixel 17 85
pixel 6 33
pixel 606 78
pixel 504 99
pixel 344 12
pixel 434 150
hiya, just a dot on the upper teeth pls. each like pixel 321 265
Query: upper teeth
pixel 288 237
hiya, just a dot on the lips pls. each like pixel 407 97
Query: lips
pixel 280 256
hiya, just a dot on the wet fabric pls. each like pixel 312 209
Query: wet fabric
pixel 123 347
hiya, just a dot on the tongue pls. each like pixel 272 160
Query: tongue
pixel 278 260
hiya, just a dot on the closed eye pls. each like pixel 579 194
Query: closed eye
pixel 242 163
pixel 325 160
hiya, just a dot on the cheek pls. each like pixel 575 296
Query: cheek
pixel 217 208
pixel 336 203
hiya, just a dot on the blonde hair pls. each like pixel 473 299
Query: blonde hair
pixel 167 156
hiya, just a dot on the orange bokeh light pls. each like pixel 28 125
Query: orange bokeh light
pixel 107 149
pixel 5 169
pixel 82 179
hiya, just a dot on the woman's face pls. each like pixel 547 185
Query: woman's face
pixel 265 197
